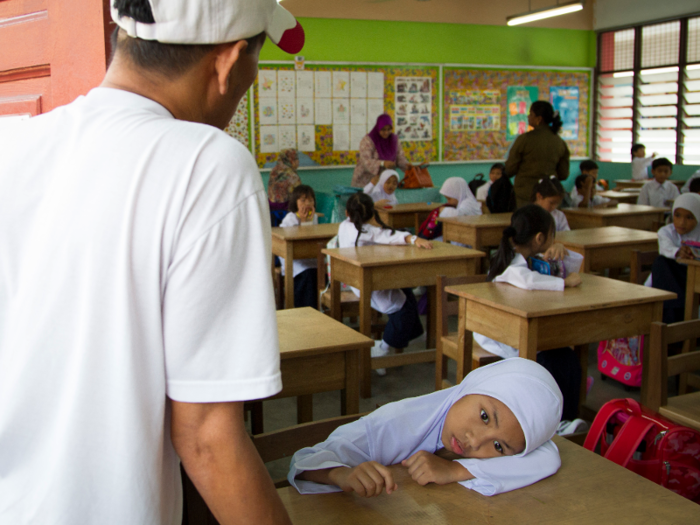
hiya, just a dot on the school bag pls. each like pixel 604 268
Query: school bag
pixel 621 359
pixel 416 177
pixel 648 444
pixel 431 228
pixel 476 183
pixel 501 198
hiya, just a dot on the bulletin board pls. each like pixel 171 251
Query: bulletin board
pixel 286 112
pixel 485 109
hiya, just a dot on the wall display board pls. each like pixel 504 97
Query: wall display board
pixel 239 127
pixel 324 111
pixel 484 110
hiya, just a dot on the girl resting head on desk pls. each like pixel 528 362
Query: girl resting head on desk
pixel 498 424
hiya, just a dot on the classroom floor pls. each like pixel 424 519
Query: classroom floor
pixel 410 381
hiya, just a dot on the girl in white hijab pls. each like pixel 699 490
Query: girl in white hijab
pixel 460 199
pixel 383 193
pixel 507 411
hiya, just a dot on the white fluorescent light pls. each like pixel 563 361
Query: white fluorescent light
pixel 623 74
pixel 695 66
pixel 659 70
pixel 547 12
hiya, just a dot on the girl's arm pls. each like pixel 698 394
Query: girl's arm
pixel 668 245
pixel 526 279
pixel 289 220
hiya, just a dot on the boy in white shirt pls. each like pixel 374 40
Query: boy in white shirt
pixel 496 173
pixel 659 192
pixel 586 197
pixel 587 167
pixel 640 162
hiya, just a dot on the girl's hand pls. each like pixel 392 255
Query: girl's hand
pixel 425 468
pixel 366 479
pixel 685 253
pixel 572 280
pixel 424 243
pixel 556 251
pixel 306 213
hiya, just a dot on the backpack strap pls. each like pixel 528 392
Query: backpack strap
pixel 607 411
pixel 628 439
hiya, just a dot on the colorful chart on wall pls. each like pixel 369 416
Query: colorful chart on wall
pixel 239 127
pixel 484 110
pixel 325 111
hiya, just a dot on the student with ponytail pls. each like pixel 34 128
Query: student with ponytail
pixel 538 151
pixel 531 232
pixel 363 227
pixel 548 194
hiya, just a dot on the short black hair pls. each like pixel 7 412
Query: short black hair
pixel 635 147
pixel 588 165
pixel 661 161
pixel 580 180
pixel 547 187
pixel 499 166
pixel 694 186
pixel 170 60
pixel 300 191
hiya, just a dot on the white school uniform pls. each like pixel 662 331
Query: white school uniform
pixel 655 194
pixel 398 430
pixel 577 198
pixel 384 301
pixel 457 188
pixel 298 265
pixel 482 192
pixel 518 274
pixel 639 167
pixel 670 240
pixel 686 186
pixel 377 192
pixel 560 220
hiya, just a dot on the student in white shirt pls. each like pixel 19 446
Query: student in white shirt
pixel 460 201
pixel 640 162
pixel 587 167
pixel 584 194
pixel 496 426
pixel 659 192
pixel 383 192
pixel 302 212
pixel 531 232
pixel 496 173
pixel 400 306
pixel 548 193
pixel 686 187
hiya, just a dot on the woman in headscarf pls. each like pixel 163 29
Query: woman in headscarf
pixel 380 149
pixel 540 150
pixel 507 411
pixel 283 180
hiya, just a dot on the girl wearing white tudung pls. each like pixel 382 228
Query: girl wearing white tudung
pixel 460 199
pixel 383 193
pixel 499 421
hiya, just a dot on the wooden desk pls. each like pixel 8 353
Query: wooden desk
pixel 298 242
pixel 608 247
pixel 622 184
pixel 318 354
pixel 635 216
pixel 587 489
pixel 534 320
pixel 407 215
pixel 625 197
pixel 478 231
pixel 383 267
pixel 692 288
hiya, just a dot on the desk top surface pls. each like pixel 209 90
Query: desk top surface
pixel 411 207
pixel 302 233
pixel 306 331
pixel 612 194
pixel 587 489
pixel 640 183
pixel 398 254
pixel 689 262
pixel 481 221
pixel 620 209
pixel 605 236
pixel 594 293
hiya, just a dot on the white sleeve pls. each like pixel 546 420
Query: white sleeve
pixel 448 211
pixel 377 235
pixel 674 192
pixel 497 475
pixel 667 244
pixel 347 446
pixel 289 220
pixel 528 280
pixel 368 188
pixel 644 195
pixel 482 192
pixel 578 199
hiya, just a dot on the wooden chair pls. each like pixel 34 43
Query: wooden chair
pixel 683 409
pixel 451 345
pixel 640 265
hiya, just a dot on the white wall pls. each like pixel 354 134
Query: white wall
pixel 615 13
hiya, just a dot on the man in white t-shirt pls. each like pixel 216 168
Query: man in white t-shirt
pixel 136 308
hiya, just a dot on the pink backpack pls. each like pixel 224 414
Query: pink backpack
pixel 621 359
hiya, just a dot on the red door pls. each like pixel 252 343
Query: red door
pixel 51 51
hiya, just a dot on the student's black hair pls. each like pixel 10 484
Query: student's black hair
pixel 694 186
pixel 547 187
pixel 360 208
pixel 661 161
pixel 169 60
pixel 587 165
pixel 499 166
pixel 635 147
pixel 544 109
pixel 578 182
pixel 525 224
pixel 300 191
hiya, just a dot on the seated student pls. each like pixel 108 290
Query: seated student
pixel 532 232
pixel 659 192
pixel 640 162
pixel 400 305
pixel 687 186
pixel 507 411
pixel 666 273
pixel 586 197
pixel 501 197
pixel 496 173
pixel 548 193
pixel 302 212
pixel 694 186
pixel 383 192
pixel 588 167
pixel 460 201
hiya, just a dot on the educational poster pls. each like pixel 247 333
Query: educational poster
pixel 286 84
pixel 413 108
pixel 358 111
pixel 286 111
pixel 358 84
pixel 239 127
pixel 341 111
pixel 267 83
pixel 323 114
pixel 341 138
pixel 267 111
pixel 341 84
pixel 305 110
pixel 565 101
pixel 375 107
pixel 475 110
pixel 287 137
pixel 268 139
pixel 322 84
pixel 305 84
pixel 357 133
pixel 375 85
pixel 306 137
pixel 520 99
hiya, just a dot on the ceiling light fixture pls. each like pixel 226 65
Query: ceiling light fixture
pixel 547 12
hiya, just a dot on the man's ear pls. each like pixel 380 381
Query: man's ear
pixel 226 59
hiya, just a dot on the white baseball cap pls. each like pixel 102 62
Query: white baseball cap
pixel 216 22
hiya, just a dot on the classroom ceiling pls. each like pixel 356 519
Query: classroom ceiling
pixel 485 12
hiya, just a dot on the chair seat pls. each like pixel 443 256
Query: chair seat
pixel 480 357
pixel 684 410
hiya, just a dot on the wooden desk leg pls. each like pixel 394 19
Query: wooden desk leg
pixel 288 275
pixel 305 408
pixel 465 341
pixel 587 262
pixel 582 352
pixel 528 339
pixel 431 336
pixel 336 312
pixel 366 329
pixel 350 395
pixel 691 312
